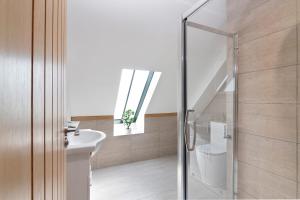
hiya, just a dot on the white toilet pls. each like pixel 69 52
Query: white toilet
pixel 211 158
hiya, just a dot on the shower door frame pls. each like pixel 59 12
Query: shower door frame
pixel 182 161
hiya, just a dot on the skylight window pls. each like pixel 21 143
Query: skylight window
pixel 135 92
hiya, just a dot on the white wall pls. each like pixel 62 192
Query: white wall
pixel 206 52
pixel 105 36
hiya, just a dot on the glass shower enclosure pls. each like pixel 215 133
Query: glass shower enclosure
pixel 208 104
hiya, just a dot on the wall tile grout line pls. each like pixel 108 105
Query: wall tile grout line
pixel 250 132
pixel 267 69
pixel 297 98
pixel 251 103
pixel 266 35
pixel 268 171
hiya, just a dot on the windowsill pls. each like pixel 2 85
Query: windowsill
pixel 121 130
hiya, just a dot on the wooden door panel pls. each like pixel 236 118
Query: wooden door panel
pixel 38 91
pixel 64 12
pixel 55 99
pixel 49 102
pixel 15 99
pixel 59 101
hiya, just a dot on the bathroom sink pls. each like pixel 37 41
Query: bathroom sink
pixel 87 141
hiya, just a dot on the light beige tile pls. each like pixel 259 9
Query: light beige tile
pixel 270 120
pixel 145 140
pixel 268 86
pixel 87 124
pixel 105 125
pixel 274 50
pixel 156 124
pixel 298 34
pixel 167 138
pixel 135 147
pixel 109 134
pixel 168 124
pixel 238 10
pixel 298 148
pixel 271 155
pixel 166 150
pixel 116 144
pixel 152 124
pixel 298 10
pixel 262 184
pixel 298 78
pixel 298 191
pixel 298 123
pixel 106 159
pixel 270 17
pixel 139 154
pixel 244 195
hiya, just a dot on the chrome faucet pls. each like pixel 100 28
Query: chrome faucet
pixel 76 133
pixel 70 126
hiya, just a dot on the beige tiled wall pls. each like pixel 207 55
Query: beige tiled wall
pixel 159 139
pixel 268 96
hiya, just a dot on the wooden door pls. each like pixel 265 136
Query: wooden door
pixel 32 46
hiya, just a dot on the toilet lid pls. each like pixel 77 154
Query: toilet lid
pixel 212 149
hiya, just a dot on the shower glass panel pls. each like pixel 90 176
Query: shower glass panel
pixel 209 107
pixel 214 14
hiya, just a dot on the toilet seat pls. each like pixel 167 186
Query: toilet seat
pixel 212 149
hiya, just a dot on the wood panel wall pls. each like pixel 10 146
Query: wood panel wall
pixel 32 50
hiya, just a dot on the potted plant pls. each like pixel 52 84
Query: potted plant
pixel 128 118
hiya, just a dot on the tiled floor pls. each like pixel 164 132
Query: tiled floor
pixel 198 190
pixel 146 180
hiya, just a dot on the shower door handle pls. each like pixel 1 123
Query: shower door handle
pixel 187 135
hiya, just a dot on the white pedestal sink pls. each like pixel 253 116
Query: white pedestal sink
pixel 79 151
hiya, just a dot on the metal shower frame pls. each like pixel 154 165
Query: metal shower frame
pixel 181 168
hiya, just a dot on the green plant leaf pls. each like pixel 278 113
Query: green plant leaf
pixel 128 117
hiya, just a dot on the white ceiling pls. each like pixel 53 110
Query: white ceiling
pixel 105 36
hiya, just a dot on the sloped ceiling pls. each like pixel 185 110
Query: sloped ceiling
pixel 105 36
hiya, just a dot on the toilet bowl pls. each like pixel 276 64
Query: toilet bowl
pixel 212 164
pixel 211 158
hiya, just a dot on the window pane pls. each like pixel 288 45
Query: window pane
pixel 150 93
pixel 137 87
pixel 126 77
pixel 132 85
